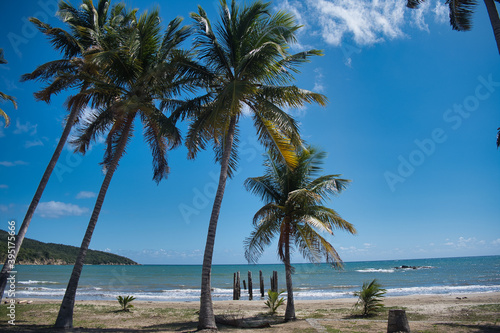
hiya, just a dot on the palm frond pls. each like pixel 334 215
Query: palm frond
pixel 461 14
pixel 271 138
pixel 414 3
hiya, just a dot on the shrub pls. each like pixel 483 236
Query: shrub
pixel 274 300
pixel 370 297
pixel 125 302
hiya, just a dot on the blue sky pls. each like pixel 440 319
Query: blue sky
pixel 411 120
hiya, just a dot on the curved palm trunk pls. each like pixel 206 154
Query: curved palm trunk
pixel 207 319
pixel 290 306
pixel 4 274
pixel 494 19
pixel 65 316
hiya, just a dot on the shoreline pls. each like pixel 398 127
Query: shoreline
pixel 461 313
pixel 342 300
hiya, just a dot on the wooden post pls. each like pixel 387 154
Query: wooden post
pixel 275 281
pixel 244 285
pixel 250 286
pixel 234 286
pixel 397 321
pixel 261 280
pixel 238 285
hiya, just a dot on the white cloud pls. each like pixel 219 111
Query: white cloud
pixel 318 81
pixel 85 195
pixel 465 243
pixel 11 164
pixel 4 208
pixel 25 128
pixel 418 16
pixel 441 12
pixel 368 22
pixel 4 186
pixel 496 241
pixel 56 209
pixel 33 143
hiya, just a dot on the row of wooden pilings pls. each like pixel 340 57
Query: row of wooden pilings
pixel 237 285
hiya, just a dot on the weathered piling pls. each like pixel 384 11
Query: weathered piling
pixel 236 286
pixel 250 286
pixel 261 280
pixel 244 285
pixel 274 281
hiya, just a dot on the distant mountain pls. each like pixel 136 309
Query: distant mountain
pixel 34 252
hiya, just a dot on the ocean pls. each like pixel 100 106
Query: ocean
pixel 310 281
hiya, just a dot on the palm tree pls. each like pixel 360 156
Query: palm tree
pixel 294 210
pixel 5 97
pixel 461 15
pixel 86 25
pixel 137 68
pixel 243 62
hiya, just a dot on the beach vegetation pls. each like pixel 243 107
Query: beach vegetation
pixel 125 302
pixel 244 68
pixel 274 301
pixel 370 298
pixel 294 212
pixel 137 77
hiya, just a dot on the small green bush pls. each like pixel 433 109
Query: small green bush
pixel 125 302
pixel 274 300
pixel 370 297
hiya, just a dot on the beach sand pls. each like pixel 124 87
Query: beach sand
pixel 426 313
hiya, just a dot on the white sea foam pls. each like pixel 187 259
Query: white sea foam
pixel 36 282
pixel 442 290
pixel 375 270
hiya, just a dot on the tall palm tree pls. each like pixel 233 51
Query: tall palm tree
pixel 5 97
pixel 86 26
pixel 244 61
pixel 294 211
pixel 461 15
pixel 137 68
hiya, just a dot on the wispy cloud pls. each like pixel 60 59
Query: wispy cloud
pixel 11 164
pixel 465 243
pixel 25 128
pixel 56 209
pixel 85 195
pixel 33 143
pixel 367 22
pixel 4 186
pixel 361 22
pixel 441 12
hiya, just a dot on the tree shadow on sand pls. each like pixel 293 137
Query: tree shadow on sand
pixel 484 328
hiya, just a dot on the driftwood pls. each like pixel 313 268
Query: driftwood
pixel 240 322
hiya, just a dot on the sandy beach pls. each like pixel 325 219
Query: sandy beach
pixel 426 313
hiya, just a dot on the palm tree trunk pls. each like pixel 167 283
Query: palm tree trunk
pixel 65 316
pixel 207 319
pixel 36 199
pixel 290 306
pixel 494 19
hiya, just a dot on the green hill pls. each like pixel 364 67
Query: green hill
pixel 38 253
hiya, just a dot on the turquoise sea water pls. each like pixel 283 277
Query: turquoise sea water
pixel 182 283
